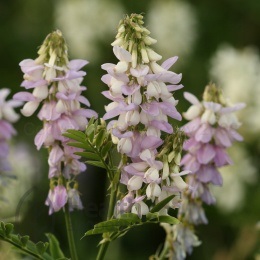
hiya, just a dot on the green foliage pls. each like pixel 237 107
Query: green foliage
pixel 55 250
pixel 118 227
pixel 96 144
pixel 161 204
pixel 25 246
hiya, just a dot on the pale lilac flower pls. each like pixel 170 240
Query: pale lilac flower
pixel 212 129
pixel 74 199
pixel 57 93
pixel 57 198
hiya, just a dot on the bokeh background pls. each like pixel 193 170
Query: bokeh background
pixel 215 40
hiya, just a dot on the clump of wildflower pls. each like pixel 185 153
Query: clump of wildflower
pixel 7 117
pixel 57 90
pixel 142 101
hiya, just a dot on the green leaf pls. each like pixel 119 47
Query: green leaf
pixel 151 216
pixel 161 204
pixel 88 155
pixel 2 224
pixel 168 219
pixel 100 137
pixel 41 247
pixel 101 230
pixel 8 228
pixel 96 163
pixel 113 222
pixel 55 249
pixel 131 217
pixel 77 133
pixel 90 129
pixel 106 148
pixel 91 136
pixel 73 137
pixel 90 122
pixel 16 239
pixel 116 179
pixel 113 225
pixel 81 145
pixel 24 240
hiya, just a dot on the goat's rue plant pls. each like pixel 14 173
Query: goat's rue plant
pixel 148 185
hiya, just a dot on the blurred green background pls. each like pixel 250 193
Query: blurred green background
pixel 215 40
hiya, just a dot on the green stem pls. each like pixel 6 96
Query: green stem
pixel 28 252
pixel 73 251
pixel 112 202
pixel 163 253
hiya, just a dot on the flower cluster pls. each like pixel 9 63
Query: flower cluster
pixel 143 102
pixel 7 117
pixel 180 240
pixel 56 84
pixel 211 131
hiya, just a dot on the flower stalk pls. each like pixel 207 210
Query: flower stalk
pixel 70 235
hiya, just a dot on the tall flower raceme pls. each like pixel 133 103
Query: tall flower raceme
pixel 7 117
pixel 211 130
pixel 57 91
pixel 142 101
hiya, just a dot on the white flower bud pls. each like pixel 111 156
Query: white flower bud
pixel 144 55
pixel 154 89
pixel 149 40
pixel 156 68
pixel 171 155
pixel 9 114
pixel 121 67
pixel 152 174
pixel 166 169
pixel 111 106
pixel 118 42
pixel 41 92
pixel 208 117
pixel 124 145
pixel 193 112
pixel 134 56
pixel 153 190
pixel 140 209
pixel 135 183
pixel 132 117
pixel 29 108
pixel 152 55
pixel 177 159
pixel 137 98
pixel 179 182
pixel 121 29
pixel 50 73
pixel 115 139
pixel 61 106
pixel 116 87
